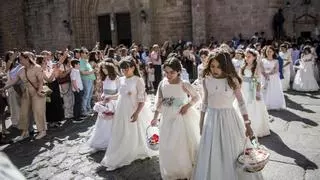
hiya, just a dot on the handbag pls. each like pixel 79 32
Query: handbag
pixel 45 89
pixel 253 159
pixel 65 79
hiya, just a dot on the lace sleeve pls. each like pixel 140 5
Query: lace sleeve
pixel 141 93
pixel 187 87
pixel 241 102
pixel 159 97
pixel 204 103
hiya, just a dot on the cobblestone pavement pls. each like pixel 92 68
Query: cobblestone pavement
pixel 294 145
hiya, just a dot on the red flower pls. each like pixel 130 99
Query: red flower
pixel 155 138
pixel 108 113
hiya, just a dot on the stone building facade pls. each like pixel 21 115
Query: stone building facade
pixel 58 24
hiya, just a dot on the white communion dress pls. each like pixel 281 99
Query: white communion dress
pixel 223 134
pixel 286 70
pixel 272 87
pixel 305 79
pixel 257 110
pixel 101 134
pixel 179 134
pixel 128 139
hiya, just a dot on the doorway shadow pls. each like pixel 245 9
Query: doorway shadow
pixel 290 116
pixel 294 105
pixel 275 143
pixel 312 95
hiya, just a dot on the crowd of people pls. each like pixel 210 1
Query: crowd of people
pixel 209 97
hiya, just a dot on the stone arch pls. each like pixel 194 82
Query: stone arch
pixel 84 22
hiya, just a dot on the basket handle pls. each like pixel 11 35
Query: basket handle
pixel 251 139
pixel 149 126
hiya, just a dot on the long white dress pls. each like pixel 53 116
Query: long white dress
pixel 272 88
pixel 286 70
pixel 100 137
pixel 237 63
pixel 128 140
pixel 179 134
pixel 223 134
pixel 257 110
pixel 305 79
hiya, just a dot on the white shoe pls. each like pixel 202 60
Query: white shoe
pixel 41 134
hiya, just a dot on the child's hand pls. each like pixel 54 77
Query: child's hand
pixel 134 117
pixel 154 122
pixel 129 93
pixel 184 109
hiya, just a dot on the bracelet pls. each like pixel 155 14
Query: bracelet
pixel 247 122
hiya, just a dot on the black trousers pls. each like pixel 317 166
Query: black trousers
pixel 77 104
pixel 158 75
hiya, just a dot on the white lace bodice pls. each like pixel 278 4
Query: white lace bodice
pixel 220 95
pixel 133 87
pixel 269 65
pixel 109 84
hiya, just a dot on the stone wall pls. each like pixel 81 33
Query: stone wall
pixel 171 20
pixel 228 18
pixel 56 24
pixel 12 25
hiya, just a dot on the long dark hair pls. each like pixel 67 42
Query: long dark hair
pixel 225 64
pixel 254 64
pixel 7 58
pixel 130 62
pixel 110 67
pixel 274 52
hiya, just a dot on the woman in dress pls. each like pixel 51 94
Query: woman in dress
pixel 251 89
pixel 179 135
pixel 272 87
pixel 223 132
pixel 100 137
pixel 128 142
pixel 286 57
pixel 54 102
pixel 305 79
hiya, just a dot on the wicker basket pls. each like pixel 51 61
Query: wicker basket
pixel 254 159
pixel 152 136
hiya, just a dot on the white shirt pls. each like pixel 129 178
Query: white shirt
pixel 75 75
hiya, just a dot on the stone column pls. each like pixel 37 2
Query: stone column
pixel 199 33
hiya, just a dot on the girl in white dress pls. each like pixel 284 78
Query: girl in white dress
pixel 128 141
pixel 251 89
pixel 238 60
pixel 271 86
pixel 179 135
pixel 100 137
pixel 305 80
pixel 286 56
pixel 223 132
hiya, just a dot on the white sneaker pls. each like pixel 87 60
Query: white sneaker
pixel 41 134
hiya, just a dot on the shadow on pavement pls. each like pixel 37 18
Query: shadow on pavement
pixel 147 169
pixel 23 153
pixel 290 116
pixel 275 143
pixel 293 105
pixel 312 95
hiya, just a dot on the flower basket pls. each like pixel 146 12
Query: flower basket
pixel 254 159
pixel 153 139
